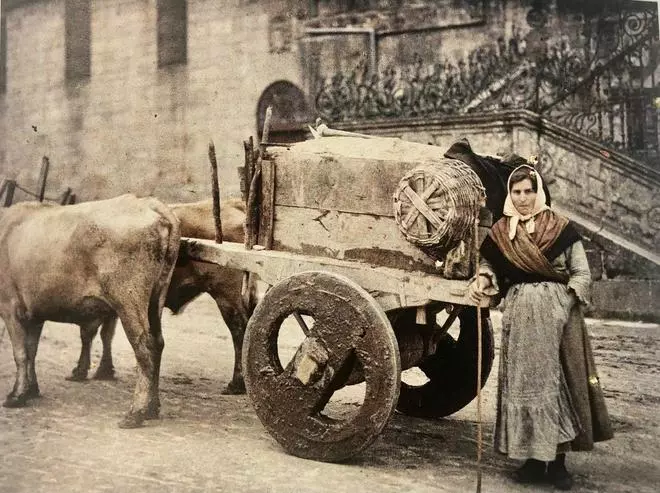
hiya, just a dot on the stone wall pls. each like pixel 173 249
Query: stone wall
pixel 131 126
pixel 602 186
pixel 626 299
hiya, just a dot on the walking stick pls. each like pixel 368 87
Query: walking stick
pixel 479 356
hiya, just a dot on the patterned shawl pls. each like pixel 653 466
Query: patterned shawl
pixel 527 250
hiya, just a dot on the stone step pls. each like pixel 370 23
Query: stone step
pixel 626 299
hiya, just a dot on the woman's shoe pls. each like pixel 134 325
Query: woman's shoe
pixel 558 475
pixel 532 471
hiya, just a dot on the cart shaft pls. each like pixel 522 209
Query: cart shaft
pixel 392 287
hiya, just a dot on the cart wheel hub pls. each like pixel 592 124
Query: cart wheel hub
pixel 310 362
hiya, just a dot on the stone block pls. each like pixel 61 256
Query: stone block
pixel 628 299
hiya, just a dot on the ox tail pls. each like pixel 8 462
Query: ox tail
pixel 169 229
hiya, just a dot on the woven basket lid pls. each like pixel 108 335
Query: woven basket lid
pixel 437 203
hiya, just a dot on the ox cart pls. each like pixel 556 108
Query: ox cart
pixel 368 245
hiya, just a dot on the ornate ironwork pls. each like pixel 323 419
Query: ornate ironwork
pixel 616 103
pixel 601 85
pixel 417 90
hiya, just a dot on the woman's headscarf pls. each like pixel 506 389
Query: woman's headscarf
pixel 510 210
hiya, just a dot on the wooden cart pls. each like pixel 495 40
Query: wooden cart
pixel 323 232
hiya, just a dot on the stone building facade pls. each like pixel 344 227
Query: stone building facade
pixel 92 85
pixel 124 95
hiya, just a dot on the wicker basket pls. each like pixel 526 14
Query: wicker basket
pixel 436 205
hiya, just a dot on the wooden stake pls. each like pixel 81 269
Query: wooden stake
pixel 43 176
pixel 253 206
pixel 250 160
pixel 215 191
pixel 64 199
pixel 243 171
pixel 267 209
pixel 9 187
pixel 3 185
pixel 265 134
pixel 249 169
pixel 254 195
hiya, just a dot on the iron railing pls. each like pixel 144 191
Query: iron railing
pixel 603 87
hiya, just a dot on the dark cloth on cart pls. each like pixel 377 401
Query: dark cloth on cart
pixel 549 395
pixel 493 173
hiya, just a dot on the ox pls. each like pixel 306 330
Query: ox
pixel 83 264
pixel 190 279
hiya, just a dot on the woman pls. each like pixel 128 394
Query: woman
pixel 549 398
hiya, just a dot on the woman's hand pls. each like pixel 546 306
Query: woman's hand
pixel 477 287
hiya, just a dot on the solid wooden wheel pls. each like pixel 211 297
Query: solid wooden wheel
pixel 452 370
pixel 349 328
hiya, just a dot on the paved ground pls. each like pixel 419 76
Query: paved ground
pixel 68 440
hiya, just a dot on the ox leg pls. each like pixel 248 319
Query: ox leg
pixel 18 335
pixel 157 344
pixel 31 345
pixel 148 348
pixel 106 369
pixel 153 410
pixel 236 321
pixel 87 334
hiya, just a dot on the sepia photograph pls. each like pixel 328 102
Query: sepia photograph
pixel 329 246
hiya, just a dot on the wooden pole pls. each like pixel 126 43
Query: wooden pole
pixel 3 186
pixel 267 204
pixel 215 191
pixel 254 194
pixel 250 159
pixel 479 356
pixel 243 171
pixel 9 188
pixel 249 167
pixel 64 199
pixel 43 176
pixel 265 134
pixel 252 216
